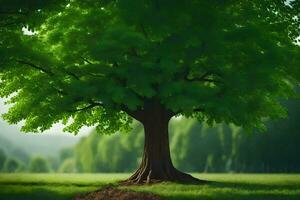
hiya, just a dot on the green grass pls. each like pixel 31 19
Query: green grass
pixel 223 186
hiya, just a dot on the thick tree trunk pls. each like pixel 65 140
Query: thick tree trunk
pixel 156 165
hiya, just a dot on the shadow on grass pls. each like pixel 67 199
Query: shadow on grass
pixel 43 192
pixel 34 183
pixel 236 197
pixel 257 186
pixel 34 194
pixel 237 191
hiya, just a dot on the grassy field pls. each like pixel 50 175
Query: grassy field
pixel 223 187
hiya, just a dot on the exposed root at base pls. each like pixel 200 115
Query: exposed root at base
pixel 140 177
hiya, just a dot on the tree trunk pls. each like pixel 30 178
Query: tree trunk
pixel 156 165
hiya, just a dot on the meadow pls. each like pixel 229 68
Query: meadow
pixel 222 186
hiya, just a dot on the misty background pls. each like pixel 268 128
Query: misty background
pixel 195 147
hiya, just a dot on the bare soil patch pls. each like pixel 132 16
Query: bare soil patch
pixel 111 193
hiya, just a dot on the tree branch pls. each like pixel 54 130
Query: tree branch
pixel 72 74
pixel 203 78
pixel 96 75
pixel 194 110
pixel 46 71
pixel 92 105
pixel 137 114
pixel 86 60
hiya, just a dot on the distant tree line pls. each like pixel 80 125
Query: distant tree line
pixel 199 148
pixel 36 164
pixel 195 147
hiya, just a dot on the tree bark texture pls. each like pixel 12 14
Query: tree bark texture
pixel 156 165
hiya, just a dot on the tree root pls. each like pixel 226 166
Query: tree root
pixel 146 176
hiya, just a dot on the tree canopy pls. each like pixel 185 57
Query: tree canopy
pixel 39 165
pixel 102 62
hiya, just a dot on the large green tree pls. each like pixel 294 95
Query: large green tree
pixel 102 63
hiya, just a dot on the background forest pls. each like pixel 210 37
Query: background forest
pixel 195 147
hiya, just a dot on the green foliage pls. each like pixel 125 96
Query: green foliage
pixel 18 13
pixel 66 153
pixel 2 158
pixel 12 166
pixel 91 62
pixel 39 165
pixel 276 150
pixel 223 186
pixel 116 153
pixel 198 147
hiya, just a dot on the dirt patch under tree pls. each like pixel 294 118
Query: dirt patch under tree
pixel 111 193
